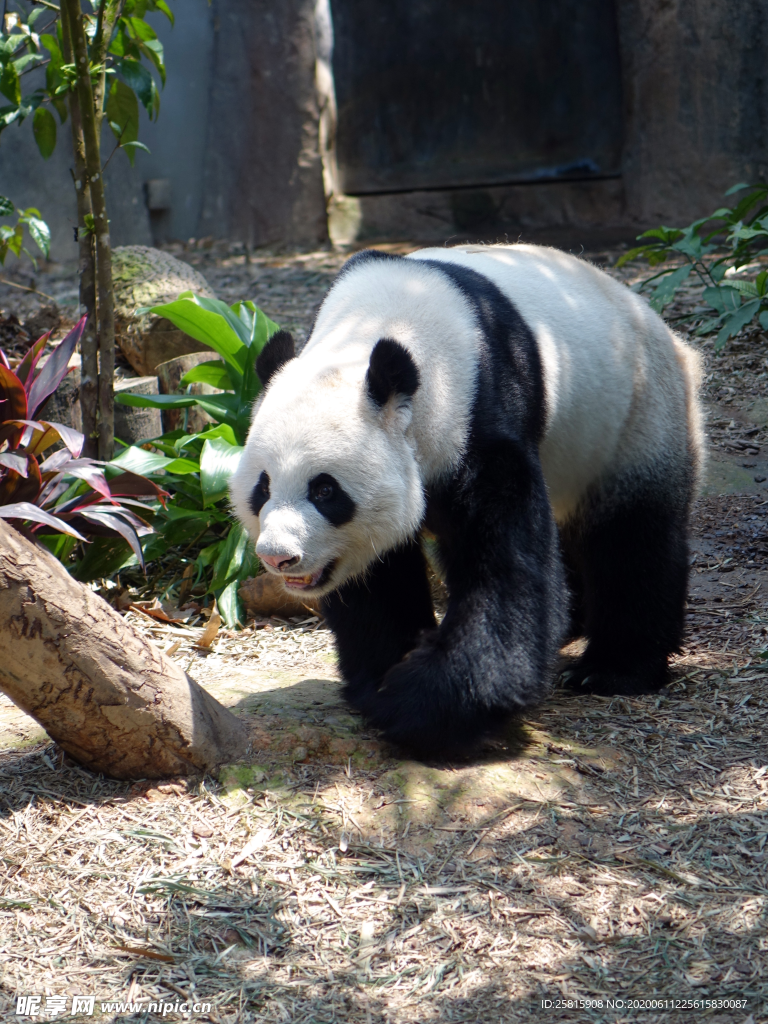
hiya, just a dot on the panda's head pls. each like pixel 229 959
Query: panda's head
pixel 329 480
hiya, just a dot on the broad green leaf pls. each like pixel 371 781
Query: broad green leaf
pixel 41 234
pixel 130 147
pixel 632 254
pixel 228 603
pixel 737 188
pixel 748 288
pixel 763 318
pixel 183 466
pixel 665 291
pixel 6 207
pixel 30 102
pixel 60 105
pixel 138 460
pixel 723 298
pixel 156 401
pixel 717 272
pixel 221 407
pixel 211 326
pixel 664 234
pixel 218 461
pixel 734 323
pixel 10 86
pixel 51 44
pixel 222 430
pixel 230 557
pixel 163 6
pixel 141 29
pixel 209 554
pixel 138 78
pixel 213 373
pixel 153 50
pixel 123 111
pixel 24 62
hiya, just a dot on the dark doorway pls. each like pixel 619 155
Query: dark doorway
pixel 450 93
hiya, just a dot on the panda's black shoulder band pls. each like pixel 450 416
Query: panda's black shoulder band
pixel 278 351
pixel 391 371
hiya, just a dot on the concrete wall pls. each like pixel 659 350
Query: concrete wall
pixel 236 140
pixel 695 76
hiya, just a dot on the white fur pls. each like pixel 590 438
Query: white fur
pixel 620 393
pixel 620 387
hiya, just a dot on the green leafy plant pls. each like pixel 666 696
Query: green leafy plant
pixel 78 498
pixel 12 236
pixel 196 525
pixel 714 247
pixel 196 468
pixel 237 333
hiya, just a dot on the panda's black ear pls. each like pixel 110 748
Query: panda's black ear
pixel 391 371
pixel 278 351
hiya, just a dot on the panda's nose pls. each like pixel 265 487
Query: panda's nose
pixel 280 562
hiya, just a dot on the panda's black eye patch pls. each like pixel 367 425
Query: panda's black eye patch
pixel 330 499
pixel 260 494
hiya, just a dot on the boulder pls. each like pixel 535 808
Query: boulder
pixel 144 276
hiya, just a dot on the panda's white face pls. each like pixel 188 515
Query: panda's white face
pixel 328 481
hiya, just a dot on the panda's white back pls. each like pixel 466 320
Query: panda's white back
pixel 620 387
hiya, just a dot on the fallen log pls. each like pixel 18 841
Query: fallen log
pixel 103 692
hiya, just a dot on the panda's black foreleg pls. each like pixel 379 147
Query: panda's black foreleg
pixel 377 620
pixel 633 559
pixel 493 651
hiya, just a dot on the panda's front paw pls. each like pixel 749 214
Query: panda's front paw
pixel 422 708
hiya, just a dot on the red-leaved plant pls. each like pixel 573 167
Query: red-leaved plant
pixel 51 493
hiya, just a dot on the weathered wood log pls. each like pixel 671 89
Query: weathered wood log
pixel 104 693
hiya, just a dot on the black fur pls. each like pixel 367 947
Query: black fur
pixel 279 350
pixel 628 555
pixel 498 543
pixel 391 371
pixel 260 495
pixel 330 499
pixel 378 619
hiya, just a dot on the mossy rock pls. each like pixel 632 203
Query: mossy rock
pixel 143 276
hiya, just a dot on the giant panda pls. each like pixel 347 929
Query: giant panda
pixel 537 418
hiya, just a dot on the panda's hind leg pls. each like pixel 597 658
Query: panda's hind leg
pixel 630 550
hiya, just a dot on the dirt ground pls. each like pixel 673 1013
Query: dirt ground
pixel 605 863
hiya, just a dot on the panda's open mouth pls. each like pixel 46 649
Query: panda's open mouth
pixel 318 579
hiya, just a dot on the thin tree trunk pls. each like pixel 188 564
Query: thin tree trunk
pixel 105 298
pixel 89 343
pixel 108 696
pixel 108 13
